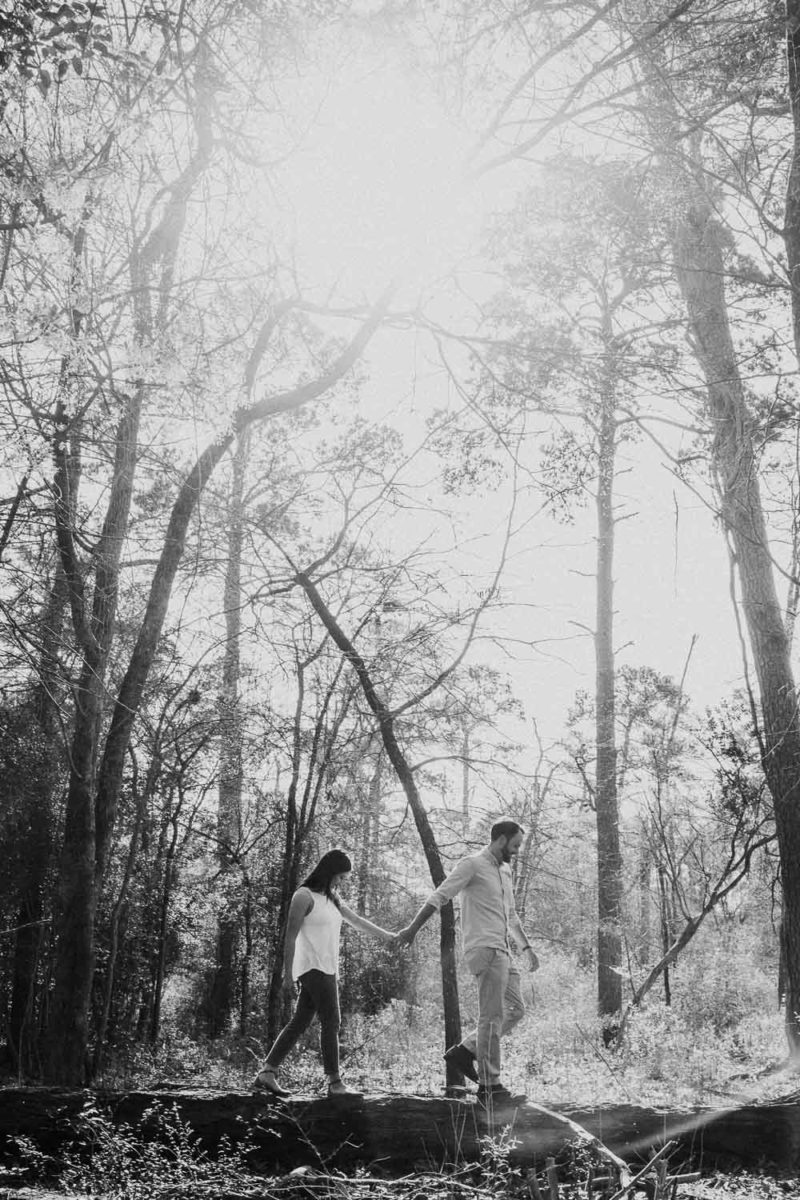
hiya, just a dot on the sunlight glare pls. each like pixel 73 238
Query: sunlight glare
pixel 377 188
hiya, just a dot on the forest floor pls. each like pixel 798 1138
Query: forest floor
pixel 113 1162
pixel 182 1180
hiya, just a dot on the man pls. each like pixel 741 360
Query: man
pixel 489 920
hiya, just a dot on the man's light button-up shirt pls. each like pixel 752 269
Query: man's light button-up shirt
pixel 488 912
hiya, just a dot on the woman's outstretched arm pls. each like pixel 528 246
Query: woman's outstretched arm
pixel 362 924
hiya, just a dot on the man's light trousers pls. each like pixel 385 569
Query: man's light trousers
pixel 500 1007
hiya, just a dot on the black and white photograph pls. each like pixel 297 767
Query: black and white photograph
pixel 399 587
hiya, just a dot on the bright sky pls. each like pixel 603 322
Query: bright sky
pixel 376 189
pixel 671 569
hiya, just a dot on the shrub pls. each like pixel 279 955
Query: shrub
pixel 122 1162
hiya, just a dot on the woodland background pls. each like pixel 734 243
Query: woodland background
pixel 368 476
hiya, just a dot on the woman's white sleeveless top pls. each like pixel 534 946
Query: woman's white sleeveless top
pixel 317 945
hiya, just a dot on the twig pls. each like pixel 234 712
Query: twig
pixel 665 1149
pixel 587 1138
pixel 552 1178
pixel 533 1185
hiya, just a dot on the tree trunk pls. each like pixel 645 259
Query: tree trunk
pixel 246 959
pixel 609 860
pixel 68 1026
pixel 644 879
pixel 222 999
pixel 39 831
pixel 370 834
pixel 165 900
pixel 294 840
pixel 83 853
pixel 141 799
pixel 68 1032
pixel 700 269
pixel 791 224
pixel 465 777
pixel 666 923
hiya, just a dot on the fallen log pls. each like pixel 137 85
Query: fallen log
pixel 401 1133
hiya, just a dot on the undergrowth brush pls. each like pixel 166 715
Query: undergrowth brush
pixel 159 1155
pixel 715 1040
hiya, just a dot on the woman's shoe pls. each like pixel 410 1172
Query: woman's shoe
pixel 337 1088
pixel 265 1081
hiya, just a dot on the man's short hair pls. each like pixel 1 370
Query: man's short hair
pixel 505 828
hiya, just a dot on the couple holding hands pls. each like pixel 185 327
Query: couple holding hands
pixel 489 924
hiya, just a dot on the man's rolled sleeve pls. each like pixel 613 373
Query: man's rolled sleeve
pixel 454 883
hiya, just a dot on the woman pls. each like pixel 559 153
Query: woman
pixel 311 957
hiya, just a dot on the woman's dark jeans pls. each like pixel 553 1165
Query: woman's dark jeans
pixel 319 994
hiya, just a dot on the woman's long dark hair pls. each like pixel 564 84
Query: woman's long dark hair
pixel 335 862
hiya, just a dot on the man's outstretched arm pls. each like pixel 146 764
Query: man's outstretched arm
pixel 455 882
pixel 406 936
